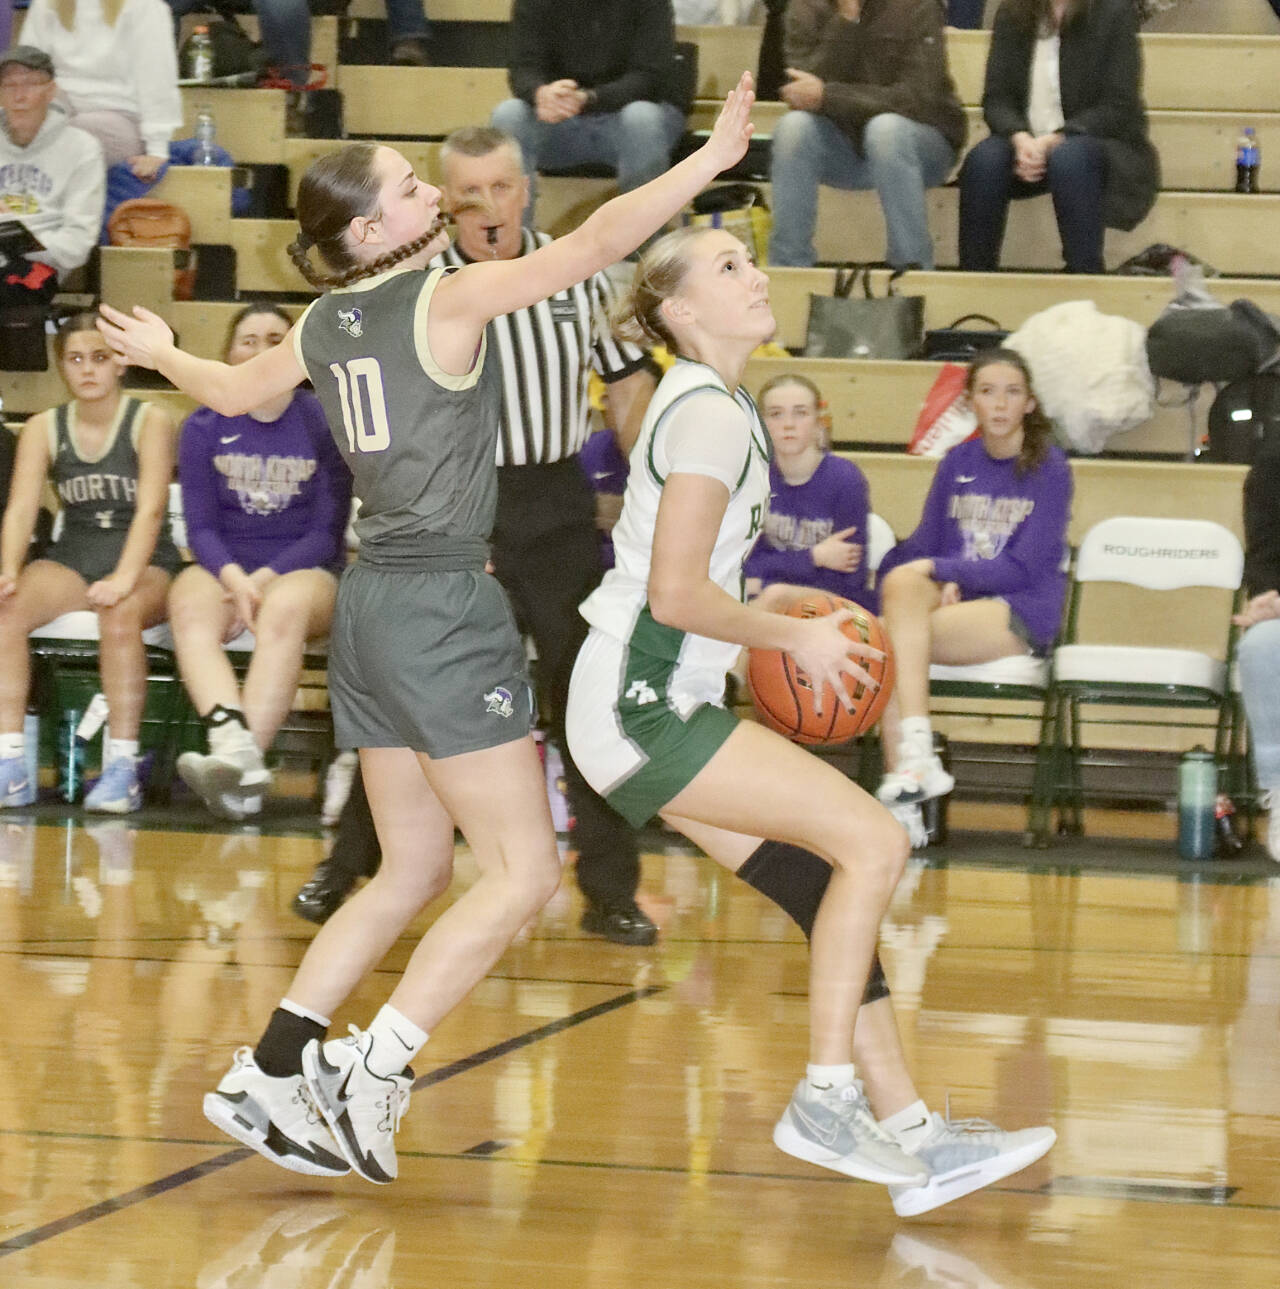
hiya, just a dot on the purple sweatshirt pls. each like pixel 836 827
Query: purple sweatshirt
pixel 997 534
pixel 834 497
pixel 258 493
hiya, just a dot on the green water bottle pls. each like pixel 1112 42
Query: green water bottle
pixel 1197 798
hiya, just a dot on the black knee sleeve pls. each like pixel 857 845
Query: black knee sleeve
pixel 796 879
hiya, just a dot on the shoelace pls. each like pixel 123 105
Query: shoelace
pixel 302 1095
pixel 860 1109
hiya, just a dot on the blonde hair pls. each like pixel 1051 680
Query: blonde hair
pixel 637 316
pixel 66 11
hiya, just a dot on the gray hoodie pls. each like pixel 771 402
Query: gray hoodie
pixel 56 186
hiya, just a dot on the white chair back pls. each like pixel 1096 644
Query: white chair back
pixel 1160 554
pixel 880 540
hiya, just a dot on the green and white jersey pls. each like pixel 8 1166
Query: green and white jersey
pixel 690 399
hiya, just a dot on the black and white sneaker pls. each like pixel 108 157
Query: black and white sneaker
pixel 274 1116
pixel 363 1109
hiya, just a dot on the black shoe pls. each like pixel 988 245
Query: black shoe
pixel 323 892
pixel 622 924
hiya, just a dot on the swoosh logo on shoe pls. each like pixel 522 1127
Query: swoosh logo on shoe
pixel 911 1127
pixel 342 1094
pixel 825 1135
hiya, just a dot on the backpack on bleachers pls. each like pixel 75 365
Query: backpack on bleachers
pixel 1244 419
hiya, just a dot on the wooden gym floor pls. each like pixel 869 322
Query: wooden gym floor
pixel 600 1116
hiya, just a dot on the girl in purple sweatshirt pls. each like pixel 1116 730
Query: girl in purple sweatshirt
pixel 266 499
pixel 982 576
pixel 815 533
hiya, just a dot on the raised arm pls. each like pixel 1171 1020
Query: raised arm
pixel 465 301
pixel 145 340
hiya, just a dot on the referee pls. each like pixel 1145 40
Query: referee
pixel 545 541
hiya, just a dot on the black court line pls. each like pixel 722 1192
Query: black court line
pixel 105 1208
pixel 127 1200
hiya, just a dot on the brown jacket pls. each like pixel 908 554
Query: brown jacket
pixel 893 59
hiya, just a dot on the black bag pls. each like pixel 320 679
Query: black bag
pixel 1218 345
pixel 890 326
pixel 1244 420
pixel 22 342
pixel 956 343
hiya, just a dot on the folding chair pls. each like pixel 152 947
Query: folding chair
pixel 1181 561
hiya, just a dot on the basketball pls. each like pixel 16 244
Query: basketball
pixel 783 695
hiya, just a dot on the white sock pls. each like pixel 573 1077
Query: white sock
pixel 288 1005
pixel 118 747
pixel 230 734
pixel 822 1077
pixel 396 1041
pixel 909 1125
pixel 13 744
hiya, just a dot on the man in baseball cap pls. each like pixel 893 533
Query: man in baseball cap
pixel 52 182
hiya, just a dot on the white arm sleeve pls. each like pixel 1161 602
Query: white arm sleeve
pixel 706 434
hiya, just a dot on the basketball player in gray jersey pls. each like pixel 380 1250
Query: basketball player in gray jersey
pixel 426 671
pixel 110 459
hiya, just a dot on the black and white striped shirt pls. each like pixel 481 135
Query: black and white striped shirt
pixel 546 354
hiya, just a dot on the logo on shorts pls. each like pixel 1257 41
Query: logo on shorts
pixel 352 322
pixel 641 693
pixel 498 702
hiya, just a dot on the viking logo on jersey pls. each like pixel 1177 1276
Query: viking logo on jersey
pixel 352 322
pixel 498 702
pixel 641 693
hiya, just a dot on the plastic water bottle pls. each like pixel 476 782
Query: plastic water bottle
pixel 206 138
pixel 197 56
pixel 31 745
pixel 70 756
pixel 1197 799
pixel 1248 161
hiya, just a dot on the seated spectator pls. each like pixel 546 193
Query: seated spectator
pixel 110 459
pixel 873 107
pixel 1063 101
pixel 982 576
pixel 115 61
pixel 266 499
pixel 1258 652
pixel 815 532
pixel 285 26
pixel 51 181
pixel 592 80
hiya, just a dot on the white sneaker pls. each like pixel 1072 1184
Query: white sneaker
pixel 1271 803
pixel 964 1155
pixel 836 1129
pixel 275 1117
pixel 918 778
pixel 911 818
pixel 230 784
pixel 362 1109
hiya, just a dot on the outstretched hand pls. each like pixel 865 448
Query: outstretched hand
pixel 139 338
pixel 733 129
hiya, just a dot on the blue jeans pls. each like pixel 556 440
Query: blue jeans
pixel 406 20
pixel 900 159
pixel 286 33
pixel 965 13
pixel 1076 176
pixel 635 142
pixel 1258 657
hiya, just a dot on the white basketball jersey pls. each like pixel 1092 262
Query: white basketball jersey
pixel 620 606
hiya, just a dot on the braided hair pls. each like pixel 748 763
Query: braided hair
pixel 335 190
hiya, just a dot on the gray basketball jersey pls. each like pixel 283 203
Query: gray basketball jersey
pixel 419 441
pixel 96 492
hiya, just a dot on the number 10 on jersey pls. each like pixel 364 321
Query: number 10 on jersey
pixel 360 388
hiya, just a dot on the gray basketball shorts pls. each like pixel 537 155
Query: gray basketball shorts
pixel 426 660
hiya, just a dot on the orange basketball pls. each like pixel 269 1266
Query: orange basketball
pixel 783 694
